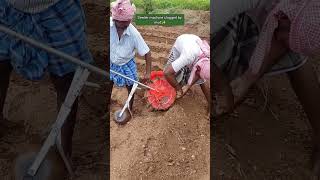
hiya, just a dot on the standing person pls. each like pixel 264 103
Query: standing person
pixel 241 38
pixel 61 25
pixel 124 40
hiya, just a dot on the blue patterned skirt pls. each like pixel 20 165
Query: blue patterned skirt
pixel 61 26
pixel 129 70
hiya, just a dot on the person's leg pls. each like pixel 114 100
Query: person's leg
pixel 5 71
pixel 305 84
pixel 62 85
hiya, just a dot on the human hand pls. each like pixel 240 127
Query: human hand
pixel 146 78
pixel 179 92
pixel 185 89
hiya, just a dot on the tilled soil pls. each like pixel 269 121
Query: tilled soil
pixel 171 144
pixel 264 140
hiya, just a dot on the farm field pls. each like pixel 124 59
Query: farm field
pixel 173 144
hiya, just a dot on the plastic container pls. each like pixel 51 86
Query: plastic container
pixel 164 96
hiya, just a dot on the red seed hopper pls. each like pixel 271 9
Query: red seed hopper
pixel 164 95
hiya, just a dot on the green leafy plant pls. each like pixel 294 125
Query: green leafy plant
pixel 148 6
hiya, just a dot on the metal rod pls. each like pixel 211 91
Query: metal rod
pixel 127 105
pixel 64 55
pixel 132 80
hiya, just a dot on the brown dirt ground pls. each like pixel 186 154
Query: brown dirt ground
pixel 264 143
pixel 163 145
pixel 32 107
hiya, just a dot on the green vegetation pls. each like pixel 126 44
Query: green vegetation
pixel 147 6
pixel 151 5
pixel 177 4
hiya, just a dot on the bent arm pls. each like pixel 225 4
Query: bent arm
pixel 170 77
pixel 147 57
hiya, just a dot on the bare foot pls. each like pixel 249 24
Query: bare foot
pixel 179 94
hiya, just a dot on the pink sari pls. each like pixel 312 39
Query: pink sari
pixel 202 66
pixel 304 36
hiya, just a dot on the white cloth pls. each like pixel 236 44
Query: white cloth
pixel 187 50
pixel 122 51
